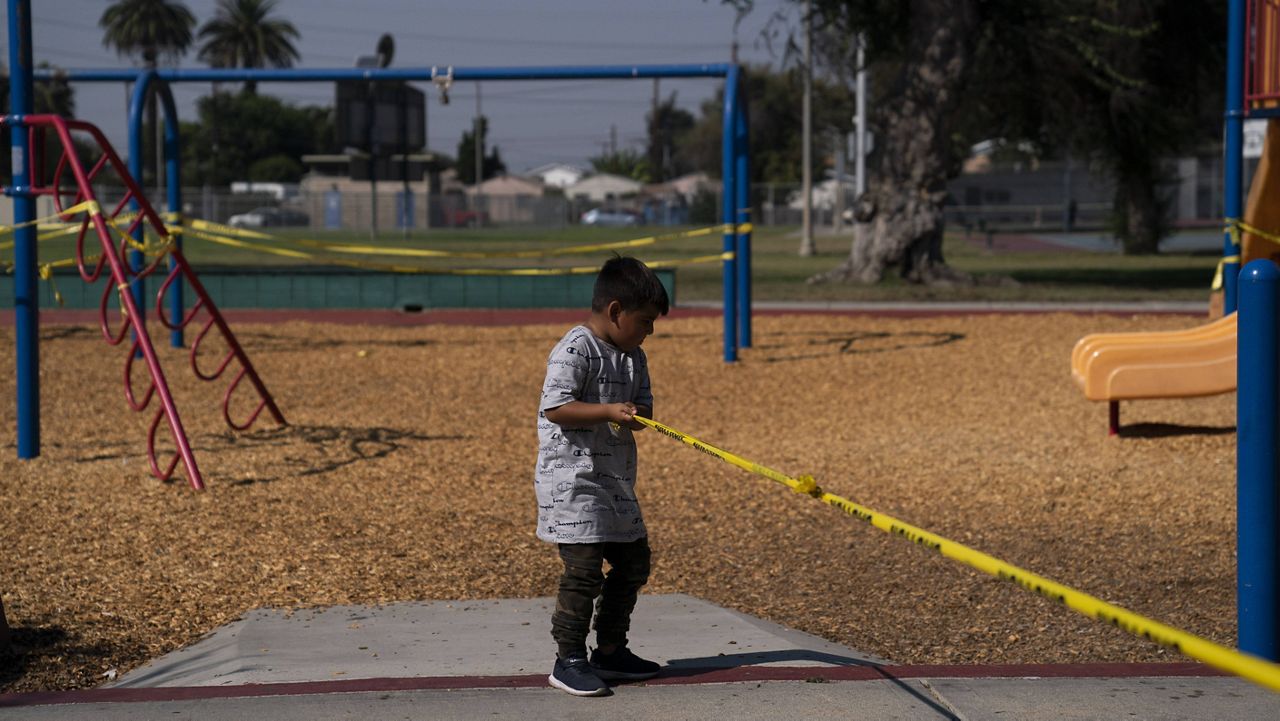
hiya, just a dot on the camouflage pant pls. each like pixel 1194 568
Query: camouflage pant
pixel 585 583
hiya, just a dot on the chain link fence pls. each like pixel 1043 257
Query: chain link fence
pixel 1048 197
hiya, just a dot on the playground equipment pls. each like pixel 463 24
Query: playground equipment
pixel 1242 347
pixel 735 155
pixel 1199 361
pixel 83 207
pixel 1202 361
pixel 736 244
pixel 1113 367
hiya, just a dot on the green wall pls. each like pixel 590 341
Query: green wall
pixel 342 288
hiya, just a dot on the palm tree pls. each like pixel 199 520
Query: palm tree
pixel 243 35
pixel 151 29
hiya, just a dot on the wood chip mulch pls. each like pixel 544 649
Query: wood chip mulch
pixel 406 473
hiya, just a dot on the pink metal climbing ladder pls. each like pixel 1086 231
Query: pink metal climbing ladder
pixel 121 275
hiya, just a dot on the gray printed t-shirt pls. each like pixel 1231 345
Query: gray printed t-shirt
pixel 585 476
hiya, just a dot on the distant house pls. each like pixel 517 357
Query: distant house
pixel 558 175
pixel 508 198
pixel 824 194
pixel 603 187
pixel 686 186
pixel 507 185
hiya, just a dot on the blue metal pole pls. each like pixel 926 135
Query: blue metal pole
pixel 1233 150
pixel 1258 461
pixel 173 177
pixel 742 188
pixel 137 106
pixel 729 215
pixel 26 300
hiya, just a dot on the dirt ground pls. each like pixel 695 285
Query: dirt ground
pixel 406 473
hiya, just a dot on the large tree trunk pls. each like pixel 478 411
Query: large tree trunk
pixel 901 215
pixel 1141 221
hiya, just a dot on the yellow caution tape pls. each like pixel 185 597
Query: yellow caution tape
pixel 237 243
pixel 475 255
pixel 46 274
pixel 88 206
pixel 1246 666
pixel 210 226
pixel 1235 227
pixel 243 238
pixel 1217 273
pixel 292 253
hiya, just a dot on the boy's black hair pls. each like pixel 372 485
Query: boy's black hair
pixel 629 282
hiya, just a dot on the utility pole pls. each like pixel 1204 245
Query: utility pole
pixel 478 144
pixel 860 122
pixel 838 147
pixel 806 228
pixel 656 135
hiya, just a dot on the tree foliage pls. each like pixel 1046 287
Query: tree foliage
pixel 627 163
pixel 773 109
pixel 666 124
pixel 1126 83
pixel 491 164
pixel 151 30
pixel 252 137
pixel 244 34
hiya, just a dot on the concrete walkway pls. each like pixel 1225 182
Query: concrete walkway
pixel 490 658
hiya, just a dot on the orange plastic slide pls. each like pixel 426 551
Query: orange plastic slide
pixel 1200 361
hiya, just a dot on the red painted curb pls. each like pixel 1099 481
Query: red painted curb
pixel 670 676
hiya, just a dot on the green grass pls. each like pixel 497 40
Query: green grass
pixel 779 273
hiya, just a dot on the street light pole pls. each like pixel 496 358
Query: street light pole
pixel 479 152
pixel 806 223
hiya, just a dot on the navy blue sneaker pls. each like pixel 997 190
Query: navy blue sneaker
pixel 574 675
pixel 622 665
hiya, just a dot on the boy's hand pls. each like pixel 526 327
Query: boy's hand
pixel 621 412
pixel 576 412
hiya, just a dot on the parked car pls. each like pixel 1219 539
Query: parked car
pixel 460 218
pixel 600 216
pixel 266 216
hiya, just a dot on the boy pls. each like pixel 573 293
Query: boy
pixel 597 381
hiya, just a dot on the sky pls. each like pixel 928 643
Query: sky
pixel 532 122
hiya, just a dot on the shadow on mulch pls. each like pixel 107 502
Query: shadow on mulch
pixel 1171 430
pixel 34 646
pixel 819 345
pixel 256 341
pixel 303 450
pixel 350 444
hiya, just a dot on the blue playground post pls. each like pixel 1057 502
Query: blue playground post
pixel 173 174
pixel 729 212
pixel 26 300
pixel 1233 151
pixel 1258 461
pixel 742 189
pixel 136 154
pixel 173 177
